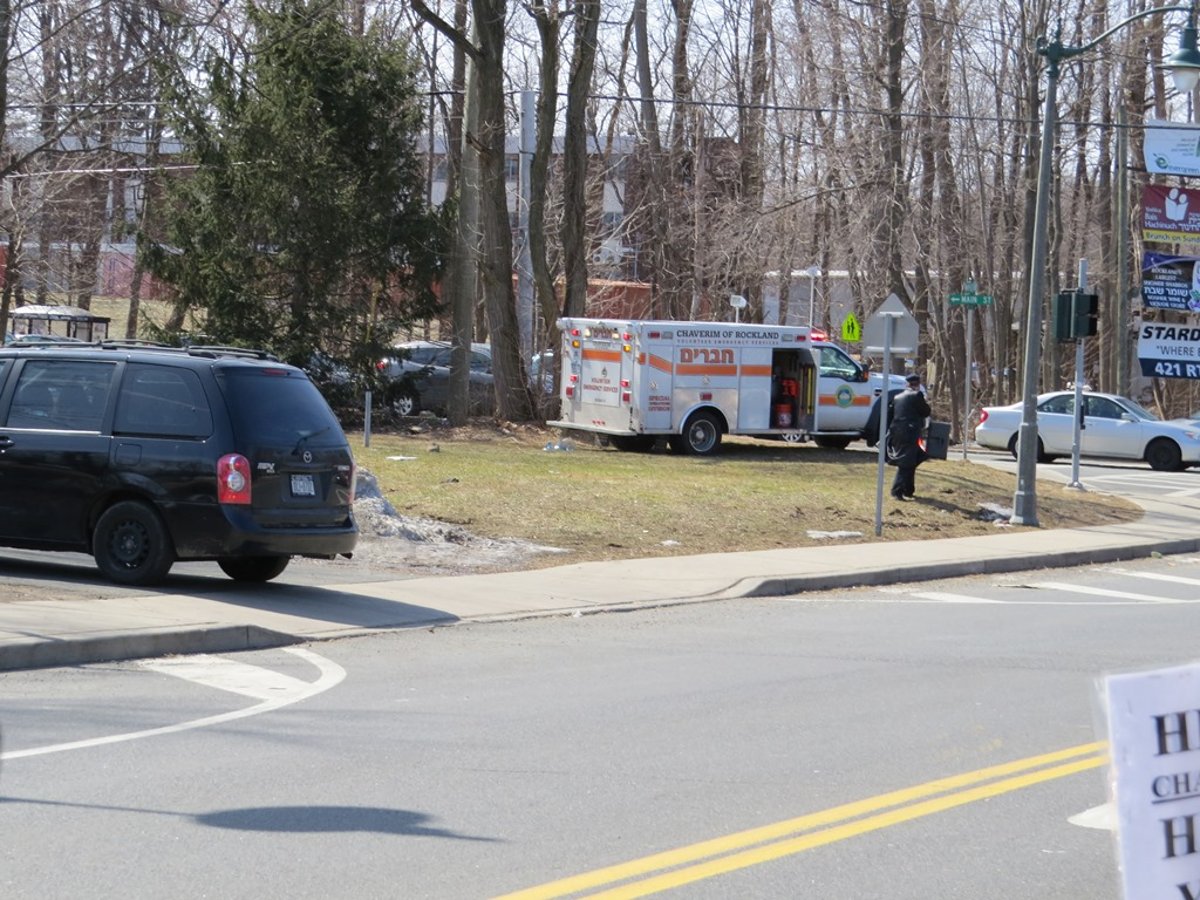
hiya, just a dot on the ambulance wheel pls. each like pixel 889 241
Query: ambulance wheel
pixel 702 434
pixel 833 443
pixel 636 443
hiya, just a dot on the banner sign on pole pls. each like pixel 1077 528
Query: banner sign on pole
pixel 1170 282
pixel 1169 351
pixel 1172 149
pixel 1170 213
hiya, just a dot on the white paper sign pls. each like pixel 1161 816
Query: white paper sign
pixel 1154 737
pixel 1172 148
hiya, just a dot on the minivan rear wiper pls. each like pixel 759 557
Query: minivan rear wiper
pixel 305 435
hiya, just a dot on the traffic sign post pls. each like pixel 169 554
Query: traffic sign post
pixel 970 300
pixel 887 319
pixel 905 332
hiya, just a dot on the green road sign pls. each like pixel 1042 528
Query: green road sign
pixel 970 299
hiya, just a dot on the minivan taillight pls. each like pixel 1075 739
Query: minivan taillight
pixel 983 416
pixel 346 476
pixel 233 479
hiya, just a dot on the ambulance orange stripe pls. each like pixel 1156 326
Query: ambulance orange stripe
pixel 682 369
pixel 604 355
pixel 831 400
pixel 756 370
pixel 657 362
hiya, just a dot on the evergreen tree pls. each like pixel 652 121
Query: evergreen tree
pixel 305 224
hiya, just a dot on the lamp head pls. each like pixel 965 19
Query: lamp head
pixel 1184 63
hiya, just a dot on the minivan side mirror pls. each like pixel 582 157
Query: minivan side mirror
pixel 864 375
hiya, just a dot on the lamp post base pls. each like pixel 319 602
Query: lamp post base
pixel 1024 508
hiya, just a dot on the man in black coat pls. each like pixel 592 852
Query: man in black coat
pixel 910 410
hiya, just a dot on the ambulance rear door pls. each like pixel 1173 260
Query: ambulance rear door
pixel 605 373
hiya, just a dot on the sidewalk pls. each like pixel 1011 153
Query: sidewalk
pixel 58 632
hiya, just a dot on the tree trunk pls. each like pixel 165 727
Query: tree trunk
pixel 575 158
pixel 496 257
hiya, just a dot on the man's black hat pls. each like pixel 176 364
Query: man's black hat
pixel 914 378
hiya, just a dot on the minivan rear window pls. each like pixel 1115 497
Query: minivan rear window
pixel 278 404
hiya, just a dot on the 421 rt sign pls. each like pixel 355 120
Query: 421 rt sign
pixel 1169 351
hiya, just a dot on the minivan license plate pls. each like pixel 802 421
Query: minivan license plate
pixel 302 486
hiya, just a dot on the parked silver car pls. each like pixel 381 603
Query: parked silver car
pixel 421 370
pixel 1114 427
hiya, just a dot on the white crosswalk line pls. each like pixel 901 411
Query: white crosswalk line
pixel 1101 817
pixel 1157 576
pixel 1101 592
pixel 331 675
pixel 229 675
pixel 942 597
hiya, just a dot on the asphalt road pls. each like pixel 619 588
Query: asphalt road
pixel 1131 479
pixel 775 748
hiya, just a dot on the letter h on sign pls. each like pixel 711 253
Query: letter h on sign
pixel 1179 835
pixel 1172 732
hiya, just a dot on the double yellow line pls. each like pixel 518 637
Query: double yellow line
pixel 674 868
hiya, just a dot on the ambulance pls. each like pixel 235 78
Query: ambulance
pixel 693 382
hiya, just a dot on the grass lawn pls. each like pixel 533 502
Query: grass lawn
pixel 499 481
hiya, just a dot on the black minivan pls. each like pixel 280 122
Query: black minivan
pixel 143 455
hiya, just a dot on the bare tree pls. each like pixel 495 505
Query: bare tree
pixel 575 157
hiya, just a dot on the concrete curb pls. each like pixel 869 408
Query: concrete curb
pixel 800 584
pixel 115 646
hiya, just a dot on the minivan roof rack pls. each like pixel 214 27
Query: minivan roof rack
pixel 136 344
pixel 217 350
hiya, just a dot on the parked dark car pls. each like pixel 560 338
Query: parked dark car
pixel 420 372
pixel 142 456
pixel 24 340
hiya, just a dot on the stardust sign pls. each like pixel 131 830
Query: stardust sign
pixel 1171 282
pixel 1154 740
pixel 1170 213
pixel 1169 351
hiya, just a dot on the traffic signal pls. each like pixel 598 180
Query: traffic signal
pixel 1075 315
pixel 1086 314
pixel 1063 316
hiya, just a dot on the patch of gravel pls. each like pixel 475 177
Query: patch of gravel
pixel 388 540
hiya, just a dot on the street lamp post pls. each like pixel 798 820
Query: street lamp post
pixel 1184 65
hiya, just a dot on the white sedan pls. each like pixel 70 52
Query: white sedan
pixel 1113 427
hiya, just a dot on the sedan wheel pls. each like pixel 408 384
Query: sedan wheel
pixel 1042 455
pixel 1164 455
